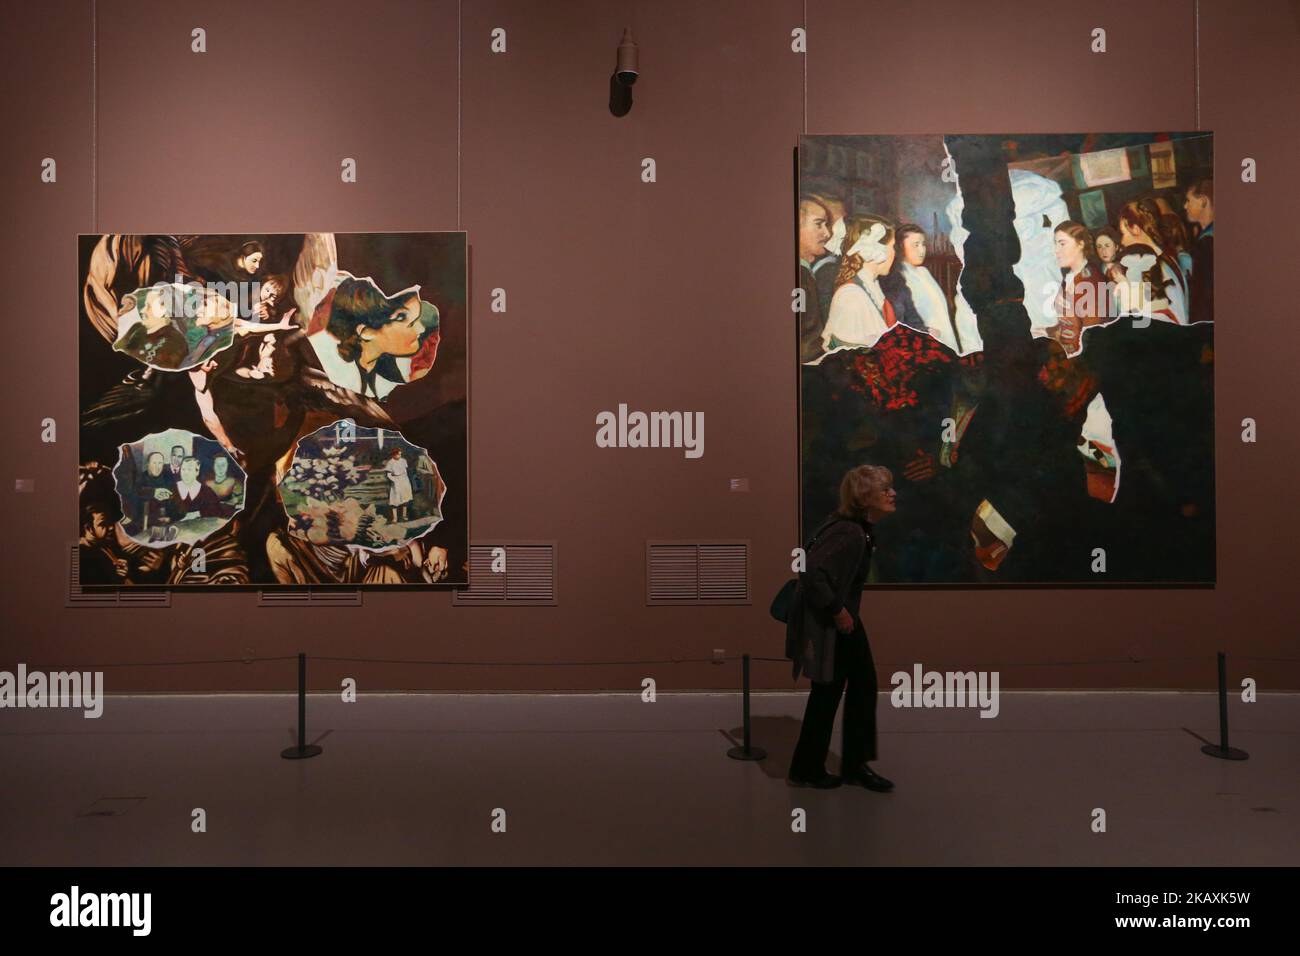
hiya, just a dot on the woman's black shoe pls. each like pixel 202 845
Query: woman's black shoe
pixel 827 781
pixel 864 776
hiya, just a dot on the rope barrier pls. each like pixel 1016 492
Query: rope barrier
pixel 674 660
pixel 100 667
pixel 1009 665
pixel 1003 665
pixel 746 751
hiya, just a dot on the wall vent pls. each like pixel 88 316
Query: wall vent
pixel 308 596
pixel 697 572
pixel 108 596
pixel 528 579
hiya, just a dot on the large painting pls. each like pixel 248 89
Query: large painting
pixel 1020 327
pixel 270 410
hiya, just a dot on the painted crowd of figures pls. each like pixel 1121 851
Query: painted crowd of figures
pixel 1043 390
pixel 863 275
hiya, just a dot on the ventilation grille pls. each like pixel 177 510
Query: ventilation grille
pixel 309 597
pixel 697 572
pixel 528 578
pixel 109 597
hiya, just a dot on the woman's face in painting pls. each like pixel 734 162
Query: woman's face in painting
pixel 1106 249
pixel 251 262
pixel 1069 251
pixel 914 249
pixel 219 466
pixel 400 335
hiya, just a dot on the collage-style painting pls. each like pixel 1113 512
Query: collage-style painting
pixel 1021 329
pixel 273 410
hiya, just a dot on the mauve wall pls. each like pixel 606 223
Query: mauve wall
pixel 672 295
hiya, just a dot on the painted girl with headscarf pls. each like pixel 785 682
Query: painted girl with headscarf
pixel 860 312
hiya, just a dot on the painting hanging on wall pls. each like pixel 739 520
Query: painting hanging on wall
pixel 1019 327
pixel 270 410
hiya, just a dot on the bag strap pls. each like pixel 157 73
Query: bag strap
pixel 822 530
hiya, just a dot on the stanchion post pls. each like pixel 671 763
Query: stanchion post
pixel 304 749
pixel 1221 749
pixel 745 752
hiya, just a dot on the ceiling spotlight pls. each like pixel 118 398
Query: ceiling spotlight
pixel 625 74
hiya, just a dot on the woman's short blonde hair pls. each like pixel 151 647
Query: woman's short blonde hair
pixel 858 484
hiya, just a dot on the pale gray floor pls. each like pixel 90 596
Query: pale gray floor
pixel 592 779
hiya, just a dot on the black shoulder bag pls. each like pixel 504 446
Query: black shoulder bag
pixel 784 599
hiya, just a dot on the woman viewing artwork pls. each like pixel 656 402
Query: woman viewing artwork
pixel 826 639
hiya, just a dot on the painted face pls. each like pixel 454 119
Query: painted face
pixel 219 468
pixel 155 464
pixel 251 262
pixel 814 230
pixel 400 335
pixel 1198 209
pixel 189 471
pixel 178 455
pixel 1069 251
pixel 214 311
pixel 100 526
pixel 914 249
pixel 1106 249
pixel 154 313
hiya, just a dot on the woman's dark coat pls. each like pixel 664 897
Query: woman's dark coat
pixel 838 563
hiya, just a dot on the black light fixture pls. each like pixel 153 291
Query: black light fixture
pixel 624 75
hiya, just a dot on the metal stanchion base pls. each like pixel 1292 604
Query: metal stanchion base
pixel 300 753
pixel 753 753
pixel 1231 753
